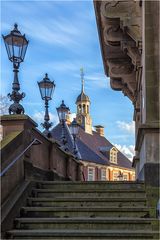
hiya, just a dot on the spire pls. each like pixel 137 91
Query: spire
pixel 82 79
pixel 82 96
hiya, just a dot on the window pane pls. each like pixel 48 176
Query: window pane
pixel 125 177
pixel 91 174
pixel 103 174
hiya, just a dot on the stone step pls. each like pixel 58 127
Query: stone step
pixel 88 193
pixel 84 212
pixel 84 223
pixel 90 202
pixel 66 234
pixel 90 185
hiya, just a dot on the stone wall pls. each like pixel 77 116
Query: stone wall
pixel 43 161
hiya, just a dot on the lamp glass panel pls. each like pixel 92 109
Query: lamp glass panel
pixel 71 129
pixel 74 129
pixel 46 89
pixel 16 47
pixel 9 50
pixel 23 49
pixel 9 46
pixel 59 114
pixel 18 41
pixel 62 113
pixel 16 54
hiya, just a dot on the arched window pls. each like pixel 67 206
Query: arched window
pixel 84 108
pixel 79 108
pixel 87 108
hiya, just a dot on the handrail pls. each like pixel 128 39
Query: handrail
pixel 15 160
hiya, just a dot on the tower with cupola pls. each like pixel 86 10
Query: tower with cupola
pixel 83 108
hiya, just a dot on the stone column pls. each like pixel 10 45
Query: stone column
pixel 147 142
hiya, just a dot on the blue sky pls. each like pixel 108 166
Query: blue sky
pixel 63 38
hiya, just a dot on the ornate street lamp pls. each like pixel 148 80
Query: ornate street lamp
pixel 16 46
pixel 74 128
pixel 46 88
pixel 63 111
pixel 120 176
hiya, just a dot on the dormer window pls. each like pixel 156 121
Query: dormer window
pixel 110 152
pixel 113 155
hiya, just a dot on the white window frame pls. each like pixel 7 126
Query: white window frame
pixel 113 155
pixel 91 176
pixel 103 174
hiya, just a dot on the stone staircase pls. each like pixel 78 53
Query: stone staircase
pixel 85 210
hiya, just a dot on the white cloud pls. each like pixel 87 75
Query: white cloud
pixel 4 105
pixel 51 35
pixel 39 117
pixel 128 151
pixel 72 116
pixel 58 29
pixel 128 127
pixel 98 79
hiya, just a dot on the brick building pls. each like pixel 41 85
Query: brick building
pixel 101 159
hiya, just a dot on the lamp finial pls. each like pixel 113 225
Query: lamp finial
pixel 16 26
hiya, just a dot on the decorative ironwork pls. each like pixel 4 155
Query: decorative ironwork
pixel 16 46
pixel 46 88
pixel 74 129
pixel 63 111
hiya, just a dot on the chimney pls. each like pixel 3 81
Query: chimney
pixel 100 130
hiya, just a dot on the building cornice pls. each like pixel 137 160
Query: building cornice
pixel 143 129
pixel 119 28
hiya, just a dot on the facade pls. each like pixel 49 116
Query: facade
pixel 129 39
pixel 101 160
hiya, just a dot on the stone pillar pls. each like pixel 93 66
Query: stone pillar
pixel 129 37
pixel 15 123
pixel 147 141
pixel 12 124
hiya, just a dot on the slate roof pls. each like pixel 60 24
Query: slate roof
pixel 89 147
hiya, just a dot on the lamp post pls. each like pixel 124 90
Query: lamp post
pixel 46 88
pixel 16 46
pixel 63 111
pixel 120 176
pixel 74 128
